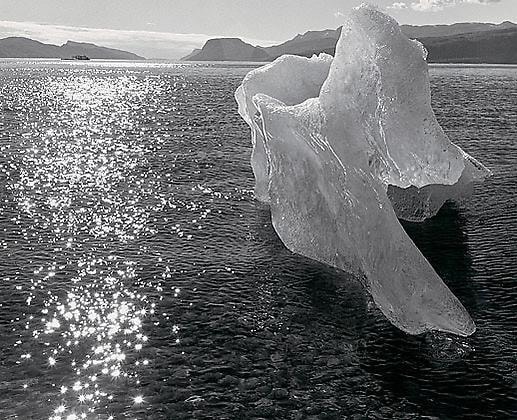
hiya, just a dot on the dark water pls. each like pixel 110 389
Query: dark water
pixel 140 279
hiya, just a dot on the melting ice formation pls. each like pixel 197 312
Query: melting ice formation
pixel 343 147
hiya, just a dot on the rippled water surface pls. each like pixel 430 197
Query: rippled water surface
pixel 140 279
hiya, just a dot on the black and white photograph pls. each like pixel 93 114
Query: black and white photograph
pixel 258 209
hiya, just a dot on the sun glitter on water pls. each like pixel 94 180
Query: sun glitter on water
pixel 84 187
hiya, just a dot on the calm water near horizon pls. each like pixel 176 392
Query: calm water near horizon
pixel 140 279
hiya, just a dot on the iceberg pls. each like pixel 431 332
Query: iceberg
pixel 343 147
pixel 290 79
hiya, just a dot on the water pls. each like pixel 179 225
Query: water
pixel 140 279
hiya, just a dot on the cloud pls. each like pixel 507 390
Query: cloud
pixel 436 5
pixel 147 43
pixel 398 6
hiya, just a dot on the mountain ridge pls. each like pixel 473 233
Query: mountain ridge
pixel 459 41
pixel 22 47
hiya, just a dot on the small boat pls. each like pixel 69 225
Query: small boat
pixel 77 57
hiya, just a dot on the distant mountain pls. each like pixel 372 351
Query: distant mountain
pixel 460 42
pixel 495 47
pixel 234 49
pixel 429 31
pixel 96 52
pixel 19 47
pixel 228 49
pixel 311 42
pixel 192 54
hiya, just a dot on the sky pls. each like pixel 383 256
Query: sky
pixel 172 28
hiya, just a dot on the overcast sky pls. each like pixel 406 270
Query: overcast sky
pixel 172 28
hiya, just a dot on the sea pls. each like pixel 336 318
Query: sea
pixel 140 278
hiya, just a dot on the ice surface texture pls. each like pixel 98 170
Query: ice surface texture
pixel 343 147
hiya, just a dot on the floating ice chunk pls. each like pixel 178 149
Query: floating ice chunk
pixel 329 209
pixel 289 78
pixel 417 204
pixel 331 163
pixel 378 91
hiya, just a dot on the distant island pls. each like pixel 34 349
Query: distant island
pixel 458 43
pixel 20 47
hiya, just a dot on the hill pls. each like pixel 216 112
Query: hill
pixel 494 47
pixel 460 43
pixel 430 31
pixel 228 49
pixel 311 42
pixel 20 47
